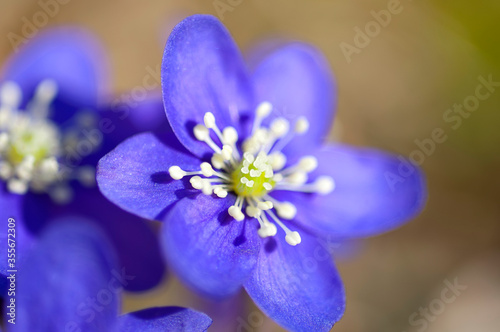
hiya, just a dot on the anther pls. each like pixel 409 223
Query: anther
pixel 176 172
pixel 236 213
pixel 302 125
pixel 217 161
pixel 207 170
pixel 201 132
pixel 280 127
pixel 4 141
pixel 209 120
pixel 308 164
pixel 196 182
pixel 10 95
pixel 230 135
pixel 324 185
pixel 265 205
pixel 293 238
pixel 297 178
pixel 267 230
pixel 227 152
pixel 286 210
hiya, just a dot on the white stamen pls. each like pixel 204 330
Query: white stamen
pixel 196 182
pixel 44 94
pixel 297 178
pixel 280 127
pixel 324 185
pixel 221 193
pixel 252 211
pixel 85 174
pixel 267 186
pixel 278 178
pixel 277 160
pixel 227 152
pixel 209 120
pixel 230 135
pixel 286 210
pixel 5 170
pixel 201 132
pixel 61 194
pixel 46 91
pixel 265 205
pixel 25 169
pixel 207 188
pixel 236 213
pixel 176 172
pixel 207 170
pixel 308 164
pixel 4 141
pixel 217 161
pixel 293 238
pixel 17 186
pixel 264 109
pixel 267 230
pixel 302 125
pixel 10 95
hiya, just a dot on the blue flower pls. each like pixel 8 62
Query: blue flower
pixel 71 281
pixel 247 188
pixel 52 133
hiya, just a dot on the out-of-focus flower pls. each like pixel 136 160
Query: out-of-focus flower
pixel 52 133
pixel 253 144
pixel 71 281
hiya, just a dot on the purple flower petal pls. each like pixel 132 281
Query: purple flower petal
pixel 137 246
pixel 164 319
pixel 298 287
pixel 203 71
pixel 68 282
pixel 209 250
pixel 68 55
pixel 135 176
pixel 21 237
pixel 371 196
pixel 297 80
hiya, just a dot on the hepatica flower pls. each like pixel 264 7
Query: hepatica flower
pixel 71 281
pixel 247 188
pixel 51 136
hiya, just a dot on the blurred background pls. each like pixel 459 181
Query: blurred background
pixel 395 86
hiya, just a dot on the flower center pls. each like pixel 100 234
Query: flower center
pixel 253 177
pixel 32 147
pixel 258 172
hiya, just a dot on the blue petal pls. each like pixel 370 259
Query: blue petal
pixel 298 287
pixel 297 80
pixel 135 176
pixel 137 245
pixel 68 55
pixel 69 281
pixel 210 251
pixel 371 196
pixel 203 71
pixel 149 115
pixel 127 119
pixel 11 207
pixel 164 319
